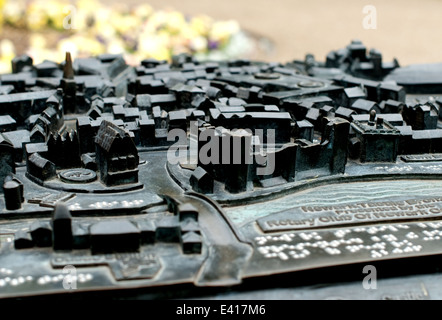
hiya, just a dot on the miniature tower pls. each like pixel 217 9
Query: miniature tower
pixel 62 228
pixel 68 85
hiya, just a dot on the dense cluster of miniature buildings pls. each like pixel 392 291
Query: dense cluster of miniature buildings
pixel 98 113
pixel 64 233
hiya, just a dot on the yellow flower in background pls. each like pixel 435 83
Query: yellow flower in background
pixel 37 41
pixel 175 21
pixel 79 20
pixel 142 11
pixel 2 4
pixel 158 20
pixel 125 24
pixel 201 24
pixel 87 6
pixel 187 33
pixel 152 46
pixel 102 20
pixel 36 17
pixel 222 30
pixel 40 54
pixel 7 50
pixel 88 27
pixel 86 45
pixel 55 12
pixel 13 13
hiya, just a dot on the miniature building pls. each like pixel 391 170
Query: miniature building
pixel 37 134
pixel 168 230
pixel 147 229
pixel 80 237
pixel 352 94
pixel 114 236
pixel 147 131
pixel 21 105
pixel 85 134
pixel 190 225
pixel 240 164
pixel 201 181
pixel 69 86
pixel 426 141
pixel 394 119
pixel 284 166
pixel 7 123
pixel 362 106
pixel 18 138
pixel 31 148
pixel 62 228
pixel 303 130
pixel 7 164
pixel 187 211
pixel 325 158
pixel 40 167
pixel 379 139
pixel 41 234
pixel 279 121
pixel 116 155
pixel 230 156
pixel 345 113
pixel 23 240
pixel 191 243
pixel 13 194
pixel 19 62
pixel 422 117
pixel 64 149
pixel 392 106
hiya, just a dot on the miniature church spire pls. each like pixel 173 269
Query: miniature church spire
pixel 68 71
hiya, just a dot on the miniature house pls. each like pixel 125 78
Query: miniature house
pixel 7 164
pixel 116 155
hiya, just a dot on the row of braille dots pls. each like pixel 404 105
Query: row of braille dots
pixel 395 168
pixel 330 247
pixel 404 245
pixel 376 229
pixel 433 225
pixel 287 237
pixel 434 167
pixel 82 277
pixel 341 233
pixel 5 270
pixel 15 281
pixel 278 251
pixel 103 204
pixel 376 250
pixel 432 235
pixel 124 203
pixel 75 206
pixel 307 236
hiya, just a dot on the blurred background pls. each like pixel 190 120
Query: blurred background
pixel 268 30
